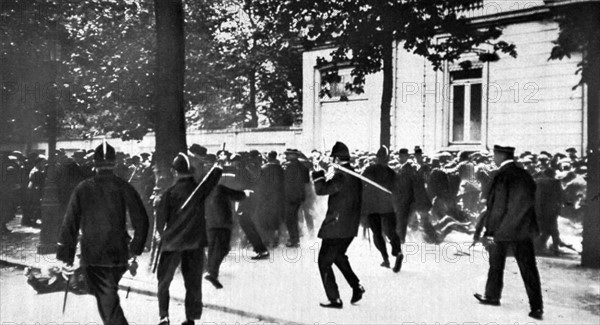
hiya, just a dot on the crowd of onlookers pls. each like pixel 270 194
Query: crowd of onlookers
pixel 452 196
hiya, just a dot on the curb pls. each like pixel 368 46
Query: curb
pixel 152 293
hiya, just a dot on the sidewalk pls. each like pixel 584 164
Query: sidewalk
pixel 436 284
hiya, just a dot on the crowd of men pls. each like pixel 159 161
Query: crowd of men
pixel 266 198
pixel 444 191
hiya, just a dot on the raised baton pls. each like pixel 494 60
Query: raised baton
pixel 361 177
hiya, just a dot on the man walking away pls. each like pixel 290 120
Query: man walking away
pixel 98 208
pixel 377 205
pixel 183 237
pixel 510 222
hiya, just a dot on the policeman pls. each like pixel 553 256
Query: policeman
pixel 182 233
pixel 339 227
pixel 510 222
pixel 98 207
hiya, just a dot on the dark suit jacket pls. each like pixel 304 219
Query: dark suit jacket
pixel 404 190
pixel 269 194
pixel 295 175
pixel 185 229
pixel 511 205
pixel 375 200
pixel 343 207
pixel 219 209
pixel 98 207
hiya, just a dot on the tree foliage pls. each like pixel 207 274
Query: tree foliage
pixel 579 33
pixel 106 66
pixel 363 32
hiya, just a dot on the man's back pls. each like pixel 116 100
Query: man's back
pixel 98 207
pixel 295 176
pixel 185 229
pixel 511 205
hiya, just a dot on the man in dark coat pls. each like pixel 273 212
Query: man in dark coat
pixel 269 195
pixel 403 193
pixel 422 204
pixel 295 176
pixel 377 205
pixel 182 234
pixel 548 204
pixel 510 221
pixel 98 208
pixel 247 172
pixel 219 221
pixel 339 227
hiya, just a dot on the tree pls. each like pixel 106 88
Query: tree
pixel 263 64
pixel 169 102
pixel 579 24
pixel 363 33
pixel 31 73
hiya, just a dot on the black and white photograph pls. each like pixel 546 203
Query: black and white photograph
pixel 320 162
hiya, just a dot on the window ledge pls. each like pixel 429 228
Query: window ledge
pixel 337 100
pixel 462 146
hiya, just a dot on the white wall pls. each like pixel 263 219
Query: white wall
pixel 531 104
pixel 354 122
pixel 544 114
pixel 243 140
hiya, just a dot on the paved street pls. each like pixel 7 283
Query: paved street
pixel 436 284
pixel 20 304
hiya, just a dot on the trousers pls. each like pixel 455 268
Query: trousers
pixel 333 251
pixel 384 223
pixel 218 247
pixel 103 283
pixel 191 262
pixel 525 256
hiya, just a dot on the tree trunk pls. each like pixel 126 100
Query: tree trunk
pixel 591 222
pixel 388 91
pixel 169 123
pixel 49 105
pixel 252 100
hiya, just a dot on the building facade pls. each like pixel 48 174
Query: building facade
pixel 528 102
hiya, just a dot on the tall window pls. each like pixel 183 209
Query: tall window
pixel 466 106
pixel 334 87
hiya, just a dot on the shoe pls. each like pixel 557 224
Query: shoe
pixel 188 322
pixel 487 301
pixel 398 264
pixel 333 304
pixel 537 314
pixel 214 281
pixel 386 263
pixel 261 256
pixel 164 321
pixel 357 294
pixel 292 245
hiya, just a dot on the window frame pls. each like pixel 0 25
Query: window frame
pixel 335 99
pixel 448 142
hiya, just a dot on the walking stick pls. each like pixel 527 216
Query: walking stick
pixel 132 174
pixel 133 271
pixel 66 294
